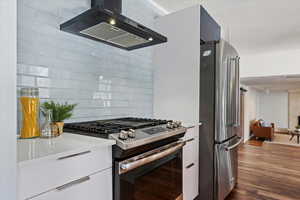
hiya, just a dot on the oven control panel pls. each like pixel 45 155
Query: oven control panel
pixel 133 138
pixel 155 130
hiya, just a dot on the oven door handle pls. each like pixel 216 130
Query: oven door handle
pixel 148 157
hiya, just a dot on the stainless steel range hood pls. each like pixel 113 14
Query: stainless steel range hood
pixel 104 23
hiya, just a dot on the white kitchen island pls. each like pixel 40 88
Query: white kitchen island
pixel 69 167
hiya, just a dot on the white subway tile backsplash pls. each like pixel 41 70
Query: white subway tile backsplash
pixel 104 81
pixel 33 70
pixel 43 82
pixel 26 81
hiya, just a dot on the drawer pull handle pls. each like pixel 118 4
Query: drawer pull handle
pixel 190 140
pixel 190 127
pixel 76 182
pixel 73 155
pixel 193 126
pixel 190 165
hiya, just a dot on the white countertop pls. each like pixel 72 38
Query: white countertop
pixel 30 150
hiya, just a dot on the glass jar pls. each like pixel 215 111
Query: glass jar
pixel 46 129
pixel 30 104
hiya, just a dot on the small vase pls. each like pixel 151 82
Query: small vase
pixel 57 128
pixel 60 126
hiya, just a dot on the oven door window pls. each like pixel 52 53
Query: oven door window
pixel 158 180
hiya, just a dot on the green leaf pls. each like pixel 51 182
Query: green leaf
pixel 60 112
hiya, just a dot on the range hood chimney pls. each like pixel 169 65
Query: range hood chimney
pixel 104 23
pixel 112 5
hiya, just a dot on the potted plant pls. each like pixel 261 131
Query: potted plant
pixel 60 112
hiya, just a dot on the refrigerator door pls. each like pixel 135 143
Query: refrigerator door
pixel 227 92
pixel 226 165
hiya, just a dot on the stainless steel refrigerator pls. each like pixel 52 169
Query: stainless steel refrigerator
pixel 220 118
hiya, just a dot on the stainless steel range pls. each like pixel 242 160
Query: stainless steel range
pixel 128 132
pixel 147 157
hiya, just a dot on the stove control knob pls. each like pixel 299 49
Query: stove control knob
pixel 170 125
pixel 178 123
pixel 131 133
pixel 174 124
pixel 123 135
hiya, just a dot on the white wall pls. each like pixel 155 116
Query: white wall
pixel 251 110
pixel 294 108
pixel 105 82
pixel 271 63
pixel 8 99
pixel 274 108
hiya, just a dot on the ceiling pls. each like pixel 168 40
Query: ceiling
pixel 252 26
pixel 273 83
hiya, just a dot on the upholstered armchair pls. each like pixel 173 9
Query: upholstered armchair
pixel 262 132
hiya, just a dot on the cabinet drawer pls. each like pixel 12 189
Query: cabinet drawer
pixel 190 182
pixel 191 133
pixel 190 152
pixel 48 174
pixel 94 187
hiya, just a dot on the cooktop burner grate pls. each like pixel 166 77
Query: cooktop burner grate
pixel 113 126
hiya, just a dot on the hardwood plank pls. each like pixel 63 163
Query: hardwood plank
pixel 268 172
pixel 258 143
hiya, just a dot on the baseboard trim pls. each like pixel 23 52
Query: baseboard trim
pixel 282 132
pixel 249 138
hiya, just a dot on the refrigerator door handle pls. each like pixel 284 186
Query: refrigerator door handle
pixel 229 148
pixel 229 94
pixel 237 94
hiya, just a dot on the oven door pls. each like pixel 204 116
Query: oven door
pixel 154 175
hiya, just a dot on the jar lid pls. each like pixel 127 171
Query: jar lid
pixel 30 92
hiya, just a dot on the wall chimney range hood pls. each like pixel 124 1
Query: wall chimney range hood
pixel 104 23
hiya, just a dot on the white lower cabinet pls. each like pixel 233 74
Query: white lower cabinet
pixel 85 173
pixel 58 170
pixel 190 164
pixel 94 187
pixel 190 182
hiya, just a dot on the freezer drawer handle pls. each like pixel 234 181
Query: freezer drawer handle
pixel 235 145
pixel 76 182
pixel 148 157
pixel 73 155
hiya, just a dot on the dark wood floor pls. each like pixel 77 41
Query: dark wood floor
pixel 268 172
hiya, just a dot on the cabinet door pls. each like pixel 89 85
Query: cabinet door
pixel 95 187
pixel 190 152
pixel 190 181
pixel 190 164
pixel 191 149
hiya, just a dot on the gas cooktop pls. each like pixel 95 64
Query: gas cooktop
pixel 103 128
pixel 128 132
